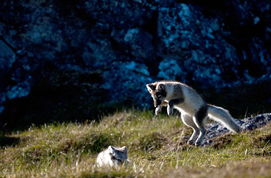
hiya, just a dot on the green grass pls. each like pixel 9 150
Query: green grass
pixel 156 149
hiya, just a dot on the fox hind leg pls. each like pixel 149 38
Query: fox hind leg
pixel 199 121
pixel 169 110
pixel 202 131
pixel 187 120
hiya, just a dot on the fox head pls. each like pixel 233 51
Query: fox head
pixel 118 154
pixel 158 92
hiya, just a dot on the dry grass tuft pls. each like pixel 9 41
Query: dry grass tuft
pixel 222 141
pixel 151 142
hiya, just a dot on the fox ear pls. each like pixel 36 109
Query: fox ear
pixel 161 87
pixel 151 87
pixel 124 148
pixel 111 149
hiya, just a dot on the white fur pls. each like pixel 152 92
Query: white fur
pixel 104 158
pixel 223 116
pixel 190 106
pixel 192 102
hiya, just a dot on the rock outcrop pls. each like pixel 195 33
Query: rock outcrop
pixel 249 123
pixel 53 51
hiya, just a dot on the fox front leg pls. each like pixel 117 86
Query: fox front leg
pixel 171 104
pixel 158 109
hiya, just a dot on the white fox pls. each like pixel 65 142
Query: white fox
pixel 194 110
pixel 112 157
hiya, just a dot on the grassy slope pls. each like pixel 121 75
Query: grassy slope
pixel 156 148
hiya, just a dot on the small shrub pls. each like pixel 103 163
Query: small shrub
pixel 151 142
pixel 221 142
pixel 34 154
pixel 261 144
pixel 93 143
pixel 262 141
pixel 100 141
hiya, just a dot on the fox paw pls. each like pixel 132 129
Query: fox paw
pixel 190 142
pixel 158 110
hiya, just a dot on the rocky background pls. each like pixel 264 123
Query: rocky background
pixel 74 60
pixel 216 130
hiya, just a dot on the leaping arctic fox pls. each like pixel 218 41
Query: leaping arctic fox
pixel 194 110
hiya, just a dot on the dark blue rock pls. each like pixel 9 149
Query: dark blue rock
pixel 249 123
pixel 7 57
pixel 18 91
pixel 133 78
pixel 127 44
pixel 185 31
pixel 259 118
pixel 251 127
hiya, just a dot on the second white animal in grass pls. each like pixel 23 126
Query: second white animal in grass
pixel 112 157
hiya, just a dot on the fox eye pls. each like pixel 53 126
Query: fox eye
pixel 159 96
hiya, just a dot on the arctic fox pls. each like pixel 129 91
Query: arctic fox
pixel 194 110
pixel 112 157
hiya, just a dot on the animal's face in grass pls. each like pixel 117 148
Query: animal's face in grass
pixel 118 155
